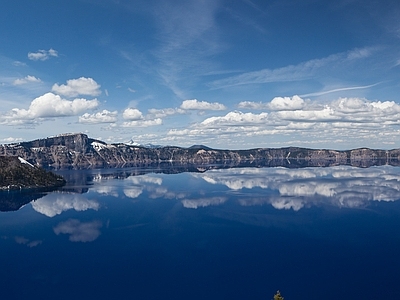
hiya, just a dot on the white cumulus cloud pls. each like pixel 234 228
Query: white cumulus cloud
pixel 132 114
pixel 201 105
pixel 253 105
pixel 143 123
pixel 286 103
pixel 161 113
pixel 47 106
pixel 104 116
pixel 236 117
pixel 356 110
pixel 278 103
pixel 304 122
pixel 42 54
pixel 26 79
pixel 75 87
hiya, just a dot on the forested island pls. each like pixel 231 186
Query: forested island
pixel 18 174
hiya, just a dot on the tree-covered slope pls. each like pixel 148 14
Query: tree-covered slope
pixel 16 173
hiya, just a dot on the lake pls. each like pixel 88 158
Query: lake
pixel 241 233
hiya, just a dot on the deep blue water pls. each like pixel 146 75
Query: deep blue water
pixel 313 233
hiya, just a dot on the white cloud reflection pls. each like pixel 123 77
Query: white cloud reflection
pixel 56 203
pixel 139 183
pixel 145 179
pixel 163 192
pixel 104 189
pixel 24 241
pixel 79 231
pixel 297 188
pixel 133 192
pixel 204 202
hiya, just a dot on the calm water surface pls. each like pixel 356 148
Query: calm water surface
pixel 312 233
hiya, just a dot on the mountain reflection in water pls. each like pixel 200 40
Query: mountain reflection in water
pixel 240 233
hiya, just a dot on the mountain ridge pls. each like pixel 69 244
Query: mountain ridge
pixel 78 151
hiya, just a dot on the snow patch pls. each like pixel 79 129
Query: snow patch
pixel 23 161
pixel 149 145
pixel 98 146
pixel 133 143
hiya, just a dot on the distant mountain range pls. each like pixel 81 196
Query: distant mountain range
pixel 133 143
pixel 78 151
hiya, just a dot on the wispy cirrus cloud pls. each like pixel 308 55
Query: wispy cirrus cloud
pixel 18 63
pixel 341 89
pixel 184 51
pixel 303 71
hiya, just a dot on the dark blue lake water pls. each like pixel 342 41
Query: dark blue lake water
pixel 312 233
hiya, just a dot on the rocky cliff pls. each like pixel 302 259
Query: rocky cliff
pixel 79 151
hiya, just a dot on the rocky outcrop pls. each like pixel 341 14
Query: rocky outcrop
pixel 18 174
pixel 79 151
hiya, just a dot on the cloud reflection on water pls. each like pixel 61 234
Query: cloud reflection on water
pixel 140 183
pixel 24 241
pixel 203 202
pixel 55 203
pixel 133 192
pixel 79 231
pixel 145 179
pixel 297 188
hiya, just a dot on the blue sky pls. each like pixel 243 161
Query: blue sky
pixel 227 74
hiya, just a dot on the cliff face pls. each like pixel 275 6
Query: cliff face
pixel 79 151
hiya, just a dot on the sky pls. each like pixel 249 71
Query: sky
pixel 226 74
